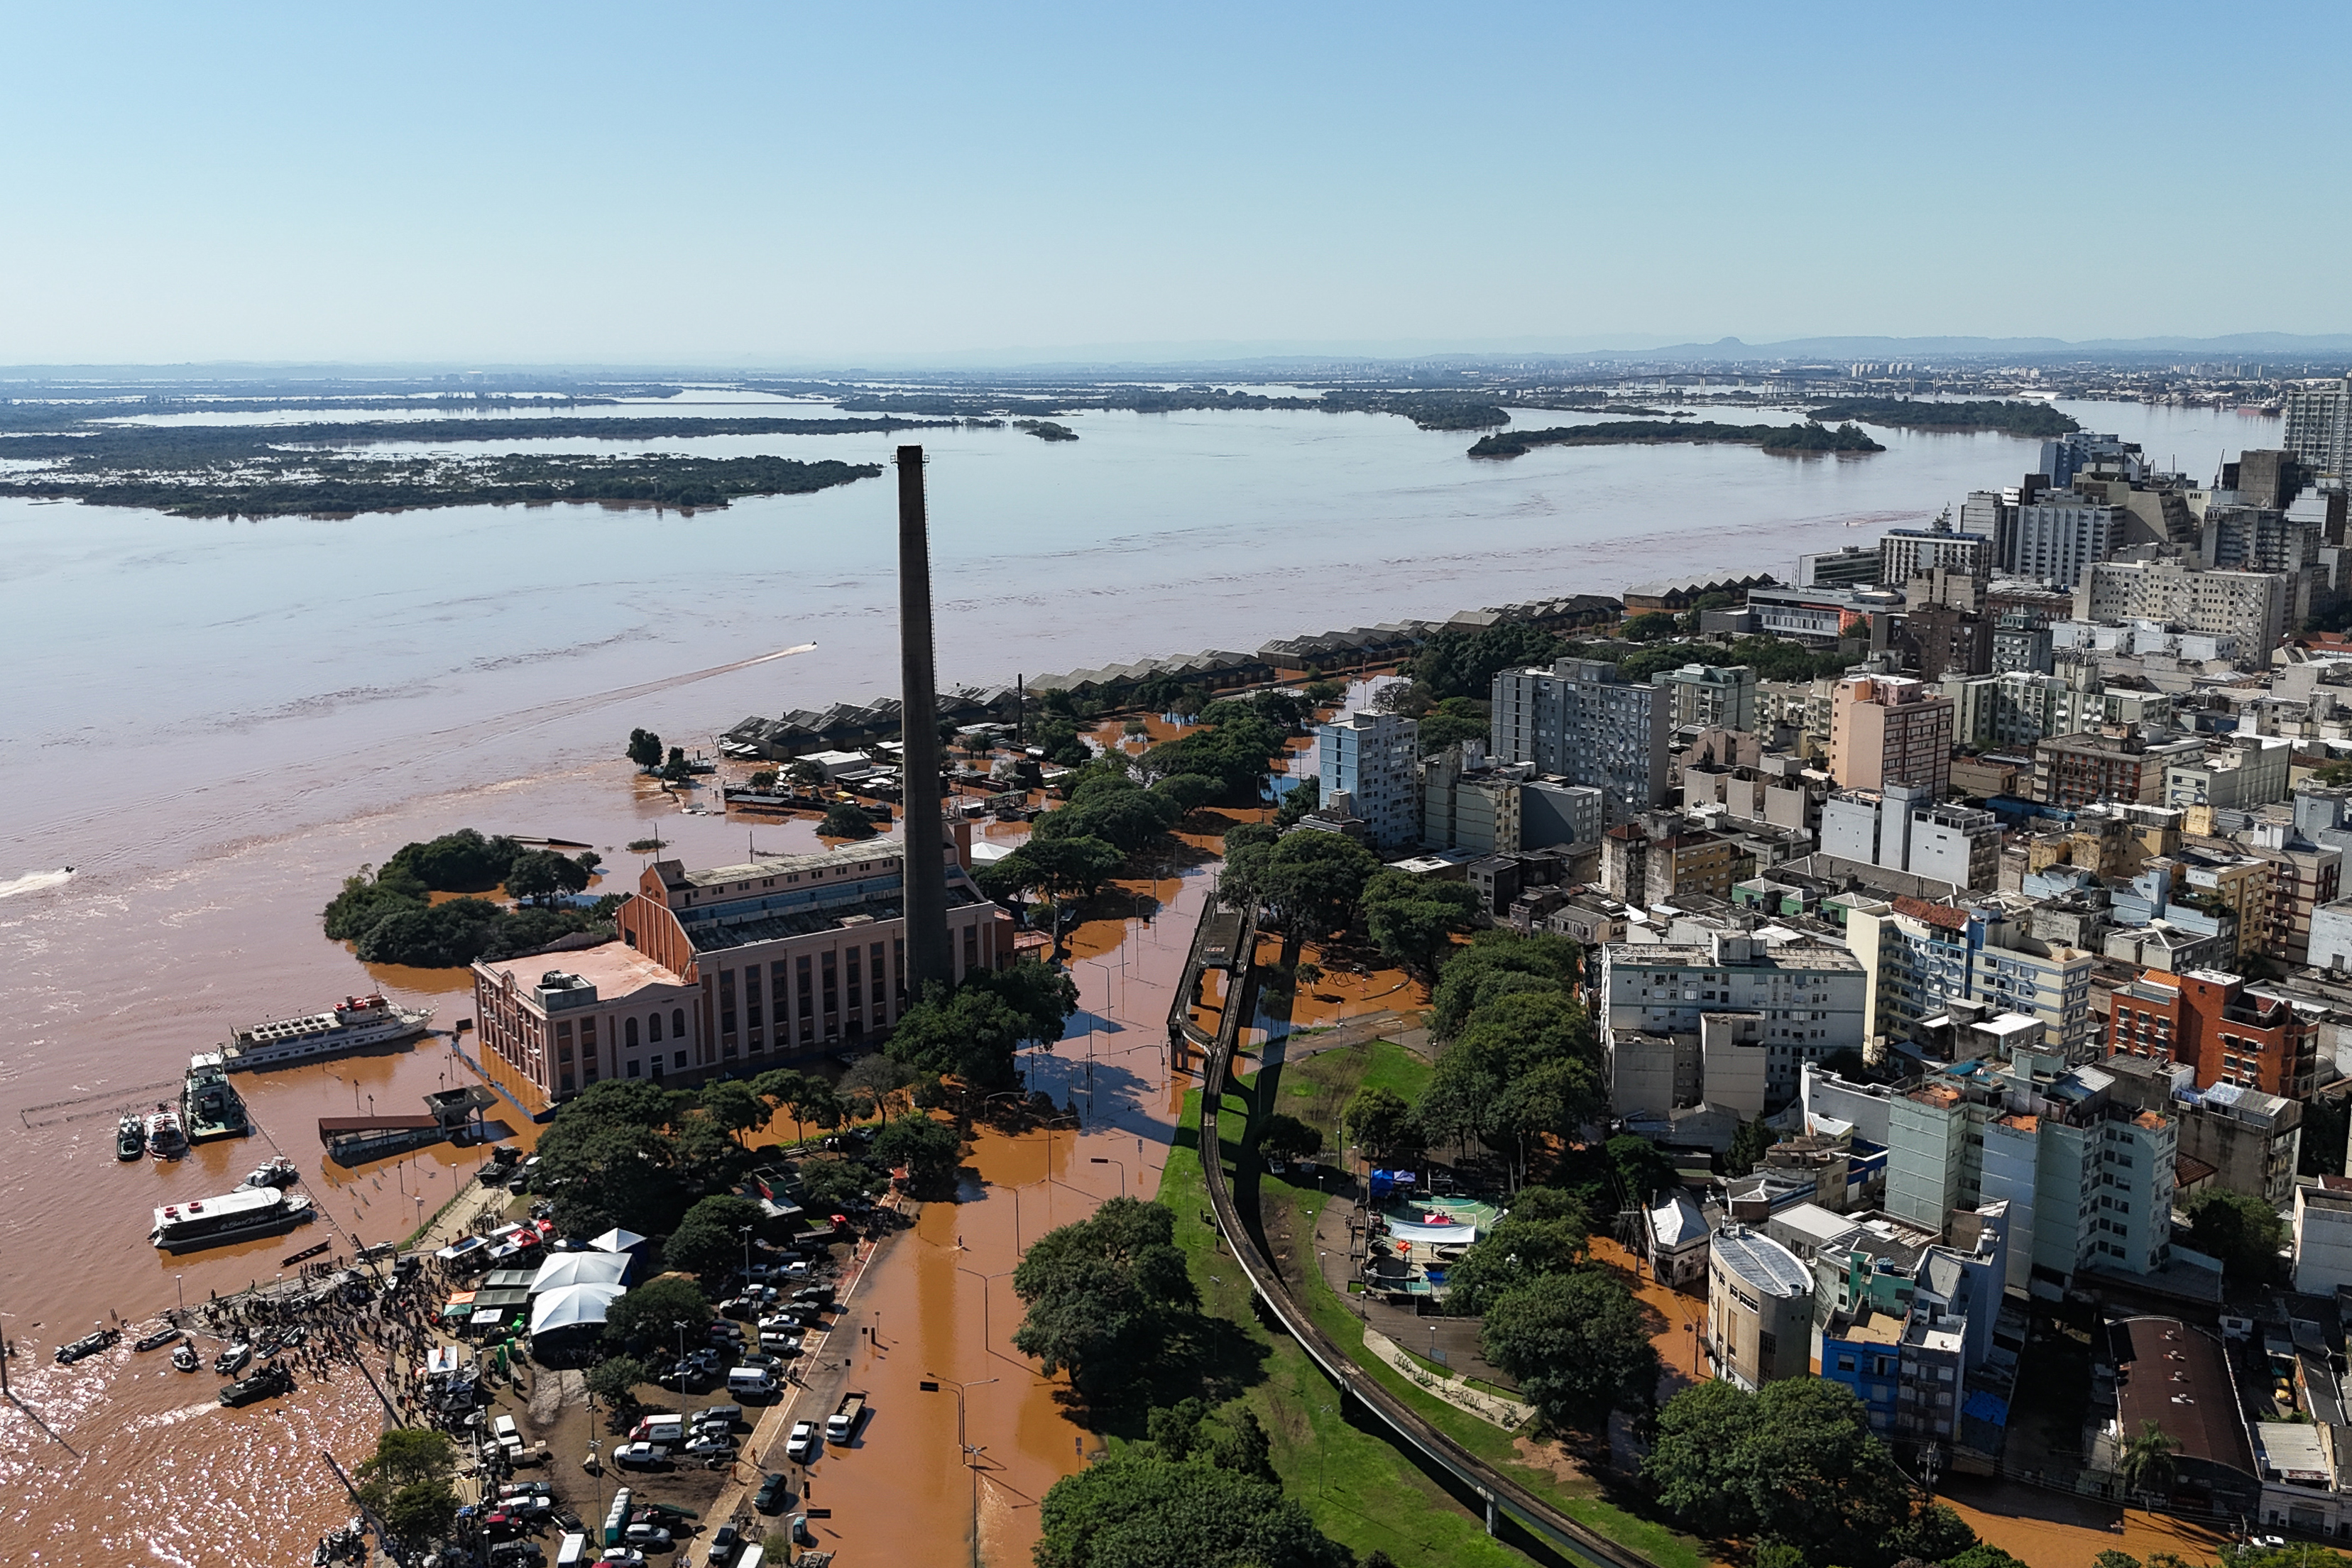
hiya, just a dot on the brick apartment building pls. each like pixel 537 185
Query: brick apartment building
pixel 2207 1019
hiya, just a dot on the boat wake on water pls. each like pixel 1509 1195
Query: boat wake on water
pixel 36 882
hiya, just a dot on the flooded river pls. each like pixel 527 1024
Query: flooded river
pixel 213 723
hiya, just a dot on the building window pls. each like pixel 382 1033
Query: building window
pixel 832 986
pixel 629 1033
pixel 681 1059
pixel 873 962
pixel 633 1067
pixel 857 985
pixel 726 1002
pixel 677 1027
pixel 970 948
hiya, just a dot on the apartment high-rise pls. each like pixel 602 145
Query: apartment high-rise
pixel 2059 536
pixel 1579 720
pixel 1708 696
pixel 2318 427
pixel 1374 758
pixel 2249 605
pixel 1888 729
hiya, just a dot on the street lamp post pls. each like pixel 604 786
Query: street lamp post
pixel 987 1334
pixel 963 1445
pixel 1106 1160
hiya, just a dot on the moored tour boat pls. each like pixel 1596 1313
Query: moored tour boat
pixel 231 1217
pixel 355 1022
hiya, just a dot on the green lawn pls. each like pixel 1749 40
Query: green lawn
pixel 1316 1090
pixel 1362 1489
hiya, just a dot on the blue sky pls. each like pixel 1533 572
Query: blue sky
pixel 780 184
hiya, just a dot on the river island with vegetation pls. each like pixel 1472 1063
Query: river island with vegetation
pixel 1808 437
pixel 2007 416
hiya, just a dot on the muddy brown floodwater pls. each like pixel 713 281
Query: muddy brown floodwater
pixel 112 987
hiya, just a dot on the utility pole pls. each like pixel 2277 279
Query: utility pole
pixel 918 729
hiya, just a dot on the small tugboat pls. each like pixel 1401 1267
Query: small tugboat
pixel 185 1358
pixel 208 1106
pixel 89 1344
pixel 166 1141
pixel 158 1339
pixel 267 1384
pixel 231 1362
pixel 130 1136
pixel 279 1172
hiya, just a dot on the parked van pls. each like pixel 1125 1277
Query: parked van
pixel 508 1437
pixel 572 1551
pixel 753 1555
pixel 659 1429
pixel 757 1382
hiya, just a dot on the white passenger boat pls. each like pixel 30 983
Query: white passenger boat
pixel 354 1023
pixel 237 1215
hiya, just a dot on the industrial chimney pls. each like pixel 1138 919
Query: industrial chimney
pixel 925 833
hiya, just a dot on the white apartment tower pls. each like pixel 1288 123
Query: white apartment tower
pixel 1374 758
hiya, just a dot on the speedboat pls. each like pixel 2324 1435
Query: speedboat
pixel 89 1344
pixel 185 1358
pixel 157 1340
pixel 233 1360
pixel 130 1136
pixel 277 1172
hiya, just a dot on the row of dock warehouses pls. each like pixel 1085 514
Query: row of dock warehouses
pixel 849 724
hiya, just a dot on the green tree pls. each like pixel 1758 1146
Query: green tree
pixel 927 1149
pixel 1577 1345
pixel 1414 922
pixel 1494 963
pixel 1653 627
pixel 1439 730
pixel 709 1240
pixel 645 750
pixel 1287 1138
pixel 616 1381
pixel 843 819
pixel 1749 1144
pixel 831 1182
pixel 1105 1297
pixel 975 1030
pixel 809 775
pixel 735 1106
pixel 1133 1511
pixel 1378 1122
pixel 1796 1461
pixel 1190 791
pixel 406 1482
pixel 875 1079
pixel 2147 1463
pixel 2111 1558
pixel 1642 1165
pixel 656 1310
pixel 1313 881
pixel 2242 1230
pixel 762 779
pixel 1937 1533
pixel 1534 1239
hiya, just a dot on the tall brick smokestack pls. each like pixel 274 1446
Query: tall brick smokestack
pixel 926 833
